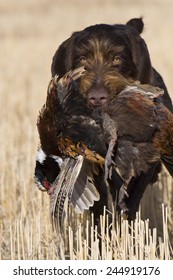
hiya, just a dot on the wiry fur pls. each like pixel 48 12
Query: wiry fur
pixel 107 51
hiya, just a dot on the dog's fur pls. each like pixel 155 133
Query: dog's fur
pixel 105 50
pixel 119 47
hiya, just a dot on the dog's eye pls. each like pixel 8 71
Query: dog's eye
pixel 116 60
pixel 83 60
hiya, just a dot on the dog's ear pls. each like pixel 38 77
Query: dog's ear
pixel 141 59
pixel 136 23
pixel 62 59
pixel 140 55
pixel 58 60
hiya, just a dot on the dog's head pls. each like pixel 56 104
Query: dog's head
pixel 105 51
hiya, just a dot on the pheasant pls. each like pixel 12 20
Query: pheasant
pixel 123 138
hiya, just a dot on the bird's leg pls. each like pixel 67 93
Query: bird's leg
pixel 109 127
pixel 123 193
pixel 108 159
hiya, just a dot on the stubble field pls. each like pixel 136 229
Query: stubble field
pixel 30 32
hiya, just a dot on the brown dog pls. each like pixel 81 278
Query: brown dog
pixel 104 51
pixel 102 48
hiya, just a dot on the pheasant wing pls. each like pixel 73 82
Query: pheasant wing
pixel 74 185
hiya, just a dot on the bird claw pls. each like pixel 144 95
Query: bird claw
pixel 108 168
pixel 122 194
pixel 126 193
pixel 123 207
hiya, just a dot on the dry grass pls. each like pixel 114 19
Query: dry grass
pixel 30 33
pixel 30 236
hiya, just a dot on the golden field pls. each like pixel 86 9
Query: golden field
pixel 30 32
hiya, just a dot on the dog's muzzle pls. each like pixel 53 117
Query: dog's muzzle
pixel 97 96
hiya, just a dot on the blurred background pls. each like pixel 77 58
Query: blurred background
pixel 30 32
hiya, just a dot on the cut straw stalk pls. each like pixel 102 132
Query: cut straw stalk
pixel 31 239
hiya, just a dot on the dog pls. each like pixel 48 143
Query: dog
pixel 120 46
pixel 105 51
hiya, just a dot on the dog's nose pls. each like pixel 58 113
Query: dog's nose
pixel 97 97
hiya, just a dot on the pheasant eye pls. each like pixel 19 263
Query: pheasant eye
pixel 83 60
pixel 116 60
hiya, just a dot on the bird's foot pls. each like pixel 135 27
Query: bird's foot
pixel 121 198
pixel 122 207
pixel 108 167
pixel 123 193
